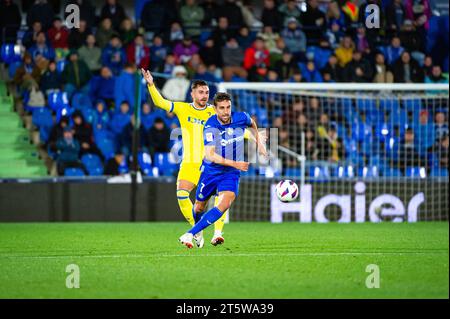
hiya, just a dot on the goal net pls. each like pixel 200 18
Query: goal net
pixel 359 152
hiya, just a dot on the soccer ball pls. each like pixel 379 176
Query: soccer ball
pixel 287 190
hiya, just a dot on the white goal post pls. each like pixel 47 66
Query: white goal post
pixel 345 141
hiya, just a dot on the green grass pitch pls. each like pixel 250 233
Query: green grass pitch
pixel 258 260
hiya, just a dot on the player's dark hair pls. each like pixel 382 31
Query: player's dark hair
pixel 220 97
pixel 196 83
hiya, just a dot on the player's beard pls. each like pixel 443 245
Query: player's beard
pixel 201 103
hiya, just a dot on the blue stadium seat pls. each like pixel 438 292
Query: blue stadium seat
pixel 319 173
pixel 391 172
pixel 411 104
pixel 389 104
pixel 89 115
pixel 58 100
pixel 365 104
pixel 439 172
pixel 368 171
pixel 123 167
pixel 416 172
pixel 60 65
pixel 292 171
pixel 42 117
pixel 92 163
pixel 145 163
pixel 64 111
pixel 74 172
pixel 344 171
pixel 165 164
pixel 10 53
pixel 81 101
pixel 12 68
pixel 106 146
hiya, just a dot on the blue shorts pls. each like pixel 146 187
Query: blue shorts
pixel 210 184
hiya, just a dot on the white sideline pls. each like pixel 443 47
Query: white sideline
pixel 230 255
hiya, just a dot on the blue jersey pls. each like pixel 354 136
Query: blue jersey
pixel 228 140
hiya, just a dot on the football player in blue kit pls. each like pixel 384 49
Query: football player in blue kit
pixel 224 159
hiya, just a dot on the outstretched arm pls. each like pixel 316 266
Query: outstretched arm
pixel 212 156
pixel 157 98
pixel 259 140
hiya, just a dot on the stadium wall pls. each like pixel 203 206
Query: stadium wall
pixel 340 201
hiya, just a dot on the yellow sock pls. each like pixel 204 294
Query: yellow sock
pixel 186 205
pixel 218 225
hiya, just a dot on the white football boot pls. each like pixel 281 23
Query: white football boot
pixel 217 238
pixel 199 240
pixel 186 240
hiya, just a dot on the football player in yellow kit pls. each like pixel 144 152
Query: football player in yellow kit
pixel 192 117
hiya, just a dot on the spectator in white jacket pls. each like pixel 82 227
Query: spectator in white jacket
pixel 175 89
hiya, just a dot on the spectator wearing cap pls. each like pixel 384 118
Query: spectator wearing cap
pixel 271 16
pixel 407 70
pixel 295 39
pixel 76 74
pixel 382 73
pixel 67 149
pixel 183 51
pixel 77 36
pixel 313 22
pixel 175 88
pixel 113 55
pixel 104 33
pixel 256 60
pixel 192 15
pixel 412 41
pixel 286 66
pixel 91 54
pixel 232 55
pixel 270 37
pixel 288 11
pixel 138 53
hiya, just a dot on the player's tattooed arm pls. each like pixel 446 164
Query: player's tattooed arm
pixel 212 156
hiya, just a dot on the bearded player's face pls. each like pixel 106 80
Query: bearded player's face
pixel 200 95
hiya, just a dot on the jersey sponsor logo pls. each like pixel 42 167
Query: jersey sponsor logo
pixel 196 120
pixel 230 131
pixel 231 141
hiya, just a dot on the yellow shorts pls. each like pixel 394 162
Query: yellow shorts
pixel 189 172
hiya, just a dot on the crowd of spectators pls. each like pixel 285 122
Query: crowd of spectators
pixel 287 41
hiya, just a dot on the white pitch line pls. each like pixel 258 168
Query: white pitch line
pixel 229 255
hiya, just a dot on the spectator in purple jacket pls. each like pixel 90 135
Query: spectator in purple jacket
pixel 185 50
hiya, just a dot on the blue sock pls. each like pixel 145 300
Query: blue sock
pixel 197 216
pixel 210 217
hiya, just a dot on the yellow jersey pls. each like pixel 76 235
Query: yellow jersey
pixel 192 121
